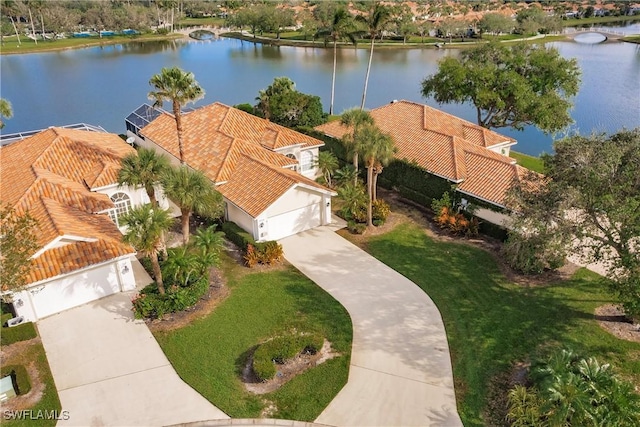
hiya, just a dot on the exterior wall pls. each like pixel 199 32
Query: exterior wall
pixel 240 217
pixel 502 149
pixel 493 217
pixel 297 151
pixel 65 292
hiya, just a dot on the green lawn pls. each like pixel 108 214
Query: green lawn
pixel 49 401
pixel 492 323
pixel 529 162
pixel 209 353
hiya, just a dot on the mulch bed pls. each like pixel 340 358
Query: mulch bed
pixel 612 319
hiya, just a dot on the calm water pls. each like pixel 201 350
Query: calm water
pixel 102 85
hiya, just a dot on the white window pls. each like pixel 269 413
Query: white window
pixel 122 204
pixel 292 156
pixel 306 162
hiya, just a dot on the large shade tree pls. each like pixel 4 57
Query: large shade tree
pixel 146 227
pixel 179 88
pixel 192 191
pixel 376 147
pixel 591 193
pixel 6 111
pixel 18 242
pixel 143 168
pixel 509 86
pixel 375 22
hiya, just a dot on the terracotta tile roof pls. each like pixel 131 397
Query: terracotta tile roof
pixel 50 175
pixel 235 150
pixel 255 185
pixel 444 145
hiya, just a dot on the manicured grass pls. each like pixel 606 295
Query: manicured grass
pixel 598 20
pixel 492 323
pixel 29 46
pixel 210 353
pixel 49 401
pixel 527 161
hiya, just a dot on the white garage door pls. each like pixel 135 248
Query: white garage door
pixel 295 221
pixel 74 290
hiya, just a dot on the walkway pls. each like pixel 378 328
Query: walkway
pixel 110 371
pixel 400 373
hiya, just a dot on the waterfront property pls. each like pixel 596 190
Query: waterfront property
pixel 67 180
pixel 473 158
pixel 263 170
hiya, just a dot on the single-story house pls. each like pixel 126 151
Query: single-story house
pixel 264 171
pixel 470 156
pixel 67 180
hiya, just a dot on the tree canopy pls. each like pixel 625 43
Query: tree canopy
pixel 283 104
pixel 18 243
pixel 591 194
pixel 509 86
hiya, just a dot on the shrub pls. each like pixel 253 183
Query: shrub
pixel 149 304
pixel 251 258
pixel 533 254
pixel 271 253
pixel 280 349
pixel 19 377
pixel 381 210
pixel 22 332
pixel 237 235
pixel 356 227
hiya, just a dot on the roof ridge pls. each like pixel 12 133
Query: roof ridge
pixel 49 204
pixel 491 155
pixel 460 169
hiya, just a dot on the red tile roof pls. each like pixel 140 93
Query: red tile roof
pixel 446 146
pixel 225 143
pixel 50 175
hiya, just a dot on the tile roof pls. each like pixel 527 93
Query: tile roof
pixel 50 175
pixel 444 145
pixel 256 185
pixel 235 150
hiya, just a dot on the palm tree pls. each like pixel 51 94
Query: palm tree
pixel 6 111
pixel 144 168
pixel 375 22
pixel 192 191
pixel 375 147
pixel 179 88
pixel 353 197
pixel 341 27
pixel 10 8
pixel 354 119
pixel 327 163
pixel 145 227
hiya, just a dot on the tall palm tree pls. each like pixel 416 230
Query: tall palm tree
pixel 192 191
pixel 143 168
pixel 10 8
pixel 375 147
pixel 341 27
pixel 6 111
pixel 145 227
pixel 179 88
pixel 375 22
pixel 327 163
pixel 354 119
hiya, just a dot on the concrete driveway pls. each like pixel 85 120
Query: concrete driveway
pixel 110 371
pixel 400 373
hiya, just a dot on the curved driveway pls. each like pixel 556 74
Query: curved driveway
pixel 400 373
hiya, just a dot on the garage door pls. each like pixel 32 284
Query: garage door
pixel 293 222
pixel 74 290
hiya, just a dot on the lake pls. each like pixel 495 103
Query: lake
pixel 102 85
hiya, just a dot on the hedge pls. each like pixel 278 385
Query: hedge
pixel 149 304
pixel 22 332
pixel 237 235
pixel 19 378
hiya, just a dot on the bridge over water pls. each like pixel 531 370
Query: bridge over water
pixel 610 34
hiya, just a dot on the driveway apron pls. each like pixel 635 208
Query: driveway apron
pixel 400 373
pixel 110 371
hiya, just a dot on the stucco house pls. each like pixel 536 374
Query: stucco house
pixel 470 156
pixel 264 171
pixel 67 180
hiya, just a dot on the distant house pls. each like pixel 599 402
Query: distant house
pixel 67 180
pixel 264 171
pixel 470 156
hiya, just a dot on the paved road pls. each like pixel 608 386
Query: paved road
pixel 400 373
pixel 110 371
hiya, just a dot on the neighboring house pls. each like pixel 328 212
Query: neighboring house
pixel 264 171
pixel 67 180
pixel 470 156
